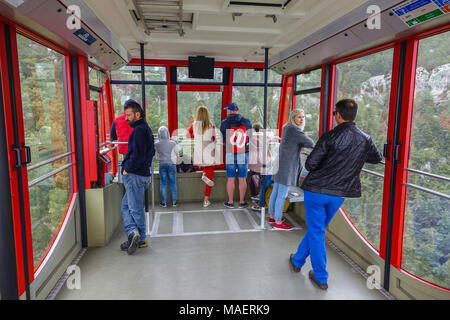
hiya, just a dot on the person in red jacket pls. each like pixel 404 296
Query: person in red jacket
pixel 121 130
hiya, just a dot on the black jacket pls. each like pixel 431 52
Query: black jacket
pixel 141 149
pixel 336 161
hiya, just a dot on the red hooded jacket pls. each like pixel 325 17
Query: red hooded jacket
pixel 123 131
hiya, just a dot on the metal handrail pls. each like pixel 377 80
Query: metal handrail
pixel 40 164
pixel 428 174
pixel 49 175
pixel 112 142
pixel 102 152
pixel 373 173
pixel 442 195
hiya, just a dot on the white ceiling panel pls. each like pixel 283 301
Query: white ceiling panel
pixel 231 30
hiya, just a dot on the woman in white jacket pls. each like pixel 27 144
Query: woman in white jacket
pixel 204 134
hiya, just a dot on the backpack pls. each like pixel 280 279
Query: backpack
pixel 185 167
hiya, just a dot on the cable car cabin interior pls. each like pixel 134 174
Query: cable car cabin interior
pixel 68 67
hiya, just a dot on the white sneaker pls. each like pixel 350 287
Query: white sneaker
pixel 206 204
pixel 207 181
pixel 255 198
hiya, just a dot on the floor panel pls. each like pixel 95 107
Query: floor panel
pixel 211 254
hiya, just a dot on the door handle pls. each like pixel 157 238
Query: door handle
pixel 385 150
pixel 18 157
pixel 397 146
pixel 27 153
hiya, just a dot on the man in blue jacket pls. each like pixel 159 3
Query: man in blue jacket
pixel 136 177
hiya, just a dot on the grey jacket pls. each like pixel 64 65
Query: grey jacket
pixel 166 149
pixel 289 166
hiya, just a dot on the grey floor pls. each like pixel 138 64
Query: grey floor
pixel 213 255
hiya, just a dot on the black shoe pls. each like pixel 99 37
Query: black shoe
pixel 141 244
pixel 133 242
pixel 294 267
pixel 322 286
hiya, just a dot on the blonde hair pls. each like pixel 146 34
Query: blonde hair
pixel 202 120
pixel 293 114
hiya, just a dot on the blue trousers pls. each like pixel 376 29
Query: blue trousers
pixel 133 204
pixel 319 210
pixel 277 200
pixel 168 172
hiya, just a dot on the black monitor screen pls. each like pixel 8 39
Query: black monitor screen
pixel 201 67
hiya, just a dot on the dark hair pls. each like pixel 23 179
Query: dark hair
pixel 347 108
pixel 127 102
pixel 257 127
pixel 133 105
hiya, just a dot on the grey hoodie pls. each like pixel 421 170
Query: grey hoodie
pixel 166 149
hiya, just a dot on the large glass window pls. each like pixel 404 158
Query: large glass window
pixel 243 75
pixel 133 73
pixel 43 93
pixel 367 80
pixel 248 94
pixel 426 235
pixel 156 106
pixel 187 103
pixel 156 111
pixel 95 95
pixel 308 98
pixel 96 77
pixel 123 92
pixel 183 75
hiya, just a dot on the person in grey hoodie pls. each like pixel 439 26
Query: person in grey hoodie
pixel 292 141
pixel 167 151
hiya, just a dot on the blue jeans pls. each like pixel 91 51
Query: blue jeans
pixel 239 162
pixel 262 189
pixel 277 200
pixel 168 171
pixel 319 210
pixel 133 204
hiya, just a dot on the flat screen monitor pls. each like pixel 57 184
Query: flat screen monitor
pixel 201 67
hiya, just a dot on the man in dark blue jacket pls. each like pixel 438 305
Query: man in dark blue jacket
pixel 136 177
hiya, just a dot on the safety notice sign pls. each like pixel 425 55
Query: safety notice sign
pixel 414 12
